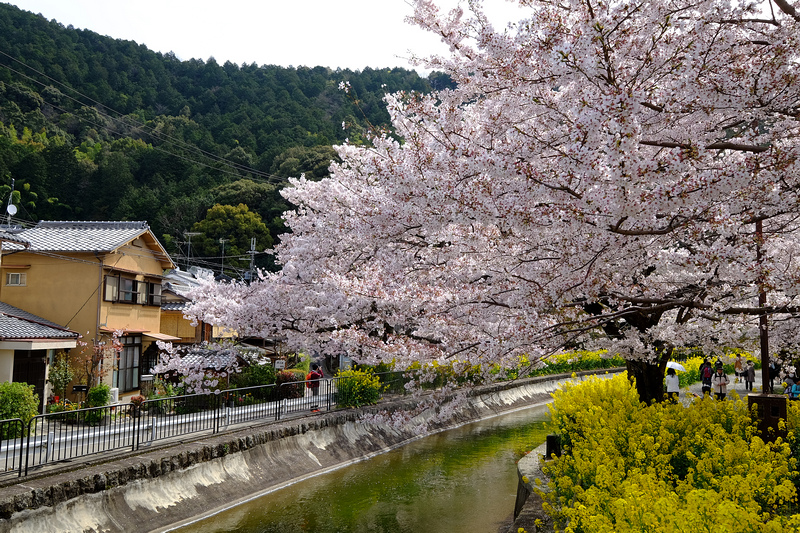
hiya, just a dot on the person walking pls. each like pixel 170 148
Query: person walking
pixel 706 375
pixel 749 376
pixel 738 368
pixel 312 383
pixel 720 383
pixel 794 393
pixel 673 385
pixel 774 372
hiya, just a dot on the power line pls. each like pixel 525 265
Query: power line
pixel 143 128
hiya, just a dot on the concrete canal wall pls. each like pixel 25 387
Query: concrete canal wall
pixel 157 489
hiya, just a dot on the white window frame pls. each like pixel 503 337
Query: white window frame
pixel 16 279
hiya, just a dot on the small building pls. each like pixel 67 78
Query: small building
pixel 28 344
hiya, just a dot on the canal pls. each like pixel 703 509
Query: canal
pixel 462 480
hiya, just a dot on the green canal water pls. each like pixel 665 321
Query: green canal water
pixel 462 480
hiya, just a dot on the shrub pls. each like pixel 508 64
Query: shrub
pixel 67 410
pixel 98 396
pixel 17 400
pixel 355 388
pixel 60 374
pixel 665 467
pixel 253 376
pixel 289 385
pixel 256 376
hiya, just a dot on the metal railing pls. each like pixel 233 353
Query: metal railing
pixel 66 435
pixel 12 433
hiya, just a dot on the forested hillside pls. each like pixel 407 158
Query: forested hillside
pixel 94 128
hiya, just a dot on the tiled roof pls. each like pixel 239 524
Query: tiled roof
pixel 76 236
pixel 18 324
pixel 174 306
pixel 211 358
pixel 12 237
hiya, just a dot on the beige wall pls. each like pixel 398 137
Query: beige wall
pixel 175 324
pixel 6 365
pixel 62 291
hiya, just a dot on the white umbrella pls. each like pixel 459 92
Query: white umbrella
pixel 676 366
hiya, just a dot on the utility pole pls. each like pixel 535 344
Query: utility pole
pixel 252 253
pixel 189 235
pixel 222 242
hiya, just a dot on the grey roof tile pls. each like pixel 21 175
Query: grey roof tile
pixel 18 324
pixel 8 236
pixel 77 236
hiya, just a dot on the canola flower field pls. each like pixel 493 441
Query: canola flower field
pixel 629 467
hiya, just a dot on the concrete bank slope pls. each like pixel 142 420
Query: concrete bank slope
pixel 156 489
pixel 529 512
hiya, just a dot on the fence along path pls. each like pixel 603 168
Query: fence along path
pixel 66 435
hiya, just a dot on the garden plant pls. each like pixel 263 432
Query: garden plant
pixel 17 400
pixel 355 388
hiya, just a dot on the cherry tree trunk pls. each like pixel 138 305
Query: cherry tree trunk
pixel 649 380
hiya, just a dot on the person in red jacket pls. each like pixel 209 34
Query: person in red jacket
pixel 312 382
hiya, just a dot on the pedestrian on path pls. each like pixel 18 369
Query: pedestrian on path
pixel 706 375
pixel 673 385
pixel 738 367
pixel 720 383
pixel 312 383
pixel 750 376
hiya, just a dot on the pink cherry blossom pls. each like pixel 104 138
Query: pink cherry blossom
pixel 594 180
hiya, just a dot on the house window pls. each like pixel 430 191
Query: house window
pixel 126 369
pixel 155 294
pixel 111 292
pixel 16 279
pixel 129 290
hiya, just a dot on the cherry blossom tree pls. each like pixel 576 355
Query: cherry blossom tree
pixel 606 174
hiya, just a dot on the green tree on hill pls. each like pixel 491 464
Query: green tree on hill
pixel 237 225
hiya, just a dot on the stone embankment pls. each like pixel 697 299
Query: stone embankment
pixel 156 489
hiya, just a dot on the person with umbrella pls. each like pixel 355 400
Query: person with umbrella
pixel 673 385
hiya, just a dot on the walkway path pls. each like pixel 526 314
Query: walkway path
pixel 696 389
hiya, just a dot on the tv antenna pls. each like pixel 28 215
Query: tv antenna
pixel 11 209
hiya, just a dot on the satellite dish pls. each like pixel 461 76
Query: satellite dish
pixel 12 209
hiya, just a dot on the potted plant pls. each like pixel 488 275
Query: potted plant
pixel 137 402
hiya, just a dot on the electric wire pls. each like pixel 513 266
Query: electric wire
pixel 236 168
pixel 143 128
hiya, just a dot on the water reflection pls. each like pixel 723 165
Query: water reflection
pixel 462 480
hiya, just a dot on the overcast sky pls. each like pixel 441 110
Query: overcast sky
pixel 333 33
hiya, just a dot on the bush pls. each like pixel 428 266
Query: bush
pixel 256 376
pixel 67 409
pixel 17 400
pixel 253 376
pixel 665 467
pixel 355 388
pixel 288 386
pixel 60 375
pixel 98 396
